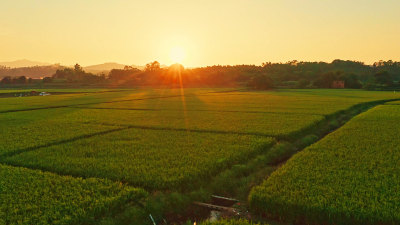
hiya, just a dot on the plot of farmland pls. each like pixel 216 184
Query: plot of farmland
pixel 82 96
pixel 156 139
pixel 315 102
pixel 349 177
pixel 147 158
pixel 26 130
pixel 214 122
pixel 393 103
pixel 266 113
pixel 33 197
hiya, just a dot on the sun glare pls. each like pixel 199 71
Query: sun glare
pixel 177 54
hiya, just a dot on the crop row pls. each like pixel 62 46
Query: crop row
pixel 32 129
pixel 393 103
pixel 22 131
pixel 175 143
pixel 299 102
pixel 224 122
pixel 170 147
pixel 65 90
pixel 349 177
pixel 34 197
pixel 147 158
pixel 266 113
pixel 34 102
pixel 230 222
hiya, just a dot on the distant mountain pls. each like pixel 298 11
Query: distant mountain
pixel 106 67
pixel 23 63
pixel 32 71
pixel 100 68
pixel 103 67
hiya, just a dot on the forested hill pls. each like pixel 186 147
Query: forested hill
pixel 31 72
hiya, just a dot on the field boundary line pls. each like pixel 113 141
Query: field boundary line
pixel 356 109
pixel 33 109
pixel 33 148
pixel 248 172
pixel 363 107
pixel 187 130
pixel 200 110
pixel 12 94
pixel 94 103
pixel 276 217
pixel 121 127
pixel 295 141
pixel 128 109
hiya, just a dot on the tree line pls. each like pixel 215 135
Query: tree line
pixel 292 74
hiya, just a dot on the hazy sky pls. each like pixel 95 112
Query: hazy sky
pixel 209 31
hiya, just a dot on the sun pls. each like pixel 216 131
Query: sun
pixel 177 54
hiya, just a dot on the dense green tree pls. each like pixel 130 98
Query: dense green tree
pixel 153 66
pixel 326 79
pixel 384 78
pixel 303 83
pixel 20 80
pixel 47 80
pixel 6 80
pixel 261 82
pixel 351 81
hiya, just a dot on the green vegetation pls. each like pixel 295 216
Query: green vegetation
pixel 230 222
pixel 63 90
pixel 35 102
pixel 393 103
pixel 280 114
pixel 27 130
pixel 181 145
pixel 213 122
pixel 86 97
pixel 315 102
pixel 382 75
pixel 349 177
pixel 146 158
pixel 34 197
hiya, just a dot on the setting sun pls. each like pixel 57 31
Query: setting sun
pixel 177 54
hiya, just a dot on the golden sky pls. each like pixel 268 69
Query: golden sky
pixel 201 32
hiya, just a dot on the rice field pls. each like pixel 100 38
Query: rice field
pixel 349 177
pixel 35 197
pixel 147 158
pixel 155 139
